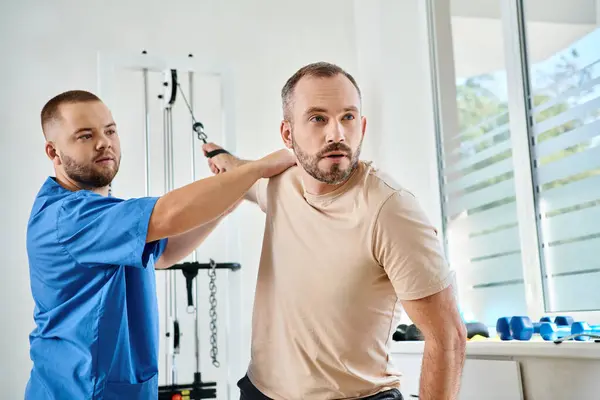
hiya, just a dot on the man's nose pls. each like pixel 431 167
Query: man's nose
pixel 336 133
pixel 103 142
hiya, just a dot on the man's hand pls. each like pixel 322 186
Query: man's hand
pixel 271 165
pixel 277 162
pixel 222 162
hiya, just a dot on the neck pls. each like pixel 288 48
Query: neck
pixel 73 186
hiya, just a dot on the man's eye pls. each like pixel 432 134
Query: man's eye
pixel 348 116
pixel 317 118
pixel 84 137
pixel 111 132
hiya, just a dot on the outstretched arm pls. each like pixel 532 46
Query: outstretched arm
pixel 180 246
pixel 226 162
pixel 203 201
pixel 408 249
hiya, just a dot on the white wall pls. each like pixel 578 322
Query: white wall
pixel 49 47
pixel 393 53
pixel 52 46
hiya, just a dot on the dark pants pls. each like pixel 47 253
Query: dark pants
pixel 249 392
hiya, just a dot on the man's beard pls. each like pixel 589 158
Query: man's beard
pixel 336 174
pixel 86 175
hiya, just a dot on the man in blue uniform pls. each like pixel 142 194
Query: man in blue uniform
pixel 92 256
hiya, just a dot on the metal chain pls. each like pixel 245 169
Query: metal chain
pixel 212 273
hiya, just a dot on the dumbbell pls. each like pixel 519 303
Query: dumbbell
pixel 503 328
pixel 517 328
pixel 521 327
pixel 583 327
pixel 558 329
pixel 400 333
pixel 536 325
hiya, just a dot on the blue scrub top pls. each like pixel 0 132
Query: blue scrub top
pixel 93 284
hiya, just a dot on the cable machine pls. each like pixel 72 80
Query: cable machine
pixel 173 390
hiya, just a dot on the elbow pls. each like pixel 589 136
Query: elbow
pixel 159 225
pixel 451 337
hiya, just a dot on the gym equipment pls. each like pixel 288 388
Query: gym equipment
pixel 558 329
pixel 198 389
pixel 563 320
pixel 405 333
pixel 582 328
pixel 550 331
pixel 503 328
pixel 400 333
pixel 413 333
pixel 536 325
pixel 477 329
pixel 522 328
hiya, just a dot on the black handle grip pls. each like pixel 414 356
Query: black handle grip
pixel 188 286
pixel 189 273
pixel 216 152
pixel 176 336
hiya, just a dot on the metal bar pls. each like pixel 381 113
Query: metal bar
pixel 170 188
pixel 146 135
pixel 199 266
pixel 172 277
pixel 195 252
pixel 168 315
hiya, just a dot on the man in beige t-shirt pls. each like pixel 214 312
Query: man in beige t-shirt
pixel 345 250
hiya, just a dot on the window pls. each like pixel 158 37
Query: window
pixel 520 168
pixel 564 114
pixel 478 183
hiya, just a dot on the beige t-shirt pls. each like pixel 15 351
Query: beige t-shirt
pixel 332 271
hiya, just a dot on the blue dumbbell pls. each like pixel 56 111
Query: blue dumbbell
pixel 536 325
pixel 563 321
pixel 503 328
pixel 551 331
pixel 521 328
pixel 583 327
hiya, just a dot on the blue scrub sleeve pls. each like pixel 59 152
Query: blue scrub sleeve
pixel 106 231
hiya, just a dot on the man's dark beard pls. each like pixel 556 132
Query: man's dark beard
pixel 335 175
pixel 86 176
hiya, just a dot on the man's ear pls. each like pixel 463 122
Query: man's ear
pixel 363 125
pixel 286 133
pixel 52 153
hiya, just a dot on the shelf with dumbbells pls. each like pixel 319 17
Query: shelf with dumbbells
pixel 561 329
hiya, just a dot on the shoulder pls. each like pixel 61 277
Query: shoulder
pixel 287 179
pixel 378 179
pixel 391 201
pixel 382 187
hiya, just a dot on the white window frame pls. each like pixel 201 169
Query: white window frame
pixel 444 96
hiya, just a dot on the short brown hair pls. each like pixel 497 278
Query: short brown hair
pixel 318 70
pixel 50 111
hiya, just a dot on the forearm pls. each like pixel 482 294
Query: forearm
pixel 441 369
pixel 200 202
pixel 181 246
pixel 251 194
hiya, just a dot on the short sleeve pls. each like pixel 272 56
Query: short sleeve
pixel 97 230
pixel 406 245
pixel 259 192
